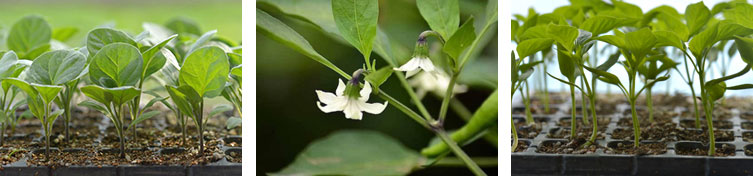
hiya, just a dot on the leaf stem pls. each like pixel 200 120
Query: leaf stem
pixel 457 162
pixel 404 109
pixel 459 152
pixel 412 95
pixel 447 97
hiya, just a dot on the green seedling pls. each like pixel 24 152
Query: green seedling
pixel 651 71
pixel 10 67
pixel 111 102
pixel 40 98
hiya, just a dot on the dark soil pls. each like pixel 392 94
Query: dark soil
pixel 660 121
pixel 718 124
pixel 747 136
pixel 747 125
pixel 748 115
pixel 664 132
pixel 522 146
pixel 703 136
pixel 721 150
pixel 643 149
pixel 564 133
pixel 8 156
pixel 563 147
pixel 602 122
pixel 528 131
pixel 235 157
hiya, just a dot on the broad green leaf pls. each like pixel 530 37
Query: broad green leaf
pixel 8 64
pixel 64 33
pixel 460 40
pixel 54 115
pixel 117 96
pixel 180 100
pixel 142 117
pixel 600 24
pixel 29 35
pixel 745 48
pixel 368 153
pixel 233 122
pixel 357 21
pixel 716 91
pixel 220 109
pixel 378 77
pixel 117 65
pixel 617 41
pixel 205 70
pixel 202 40
pixel 183 25
pixel 484 117
pixel 442 16
pixel 491 11
pixel 608 77
pixel 278 31
pixel 154 100
pixel 741 14
pixel 728 30
pixel 667 38
pixel 567 65
pixel 640 42
pixel 151 63
pixel 101 37
pixel 541 31
pixel 696 16
pixel 93 105
pixel 564 35
pixel 56 67
pixel 702 41
pixel 673 24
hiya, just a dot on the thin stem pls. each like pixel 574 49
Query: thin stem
pixel 459 152
pixel 514 136
pixel 456 162
pixel 706 100
pixel 447 97
pixel 594 121
pixel 407 111
pixel 546 90
pixel 584 111
pixel 650 104
pixel 695 107
pixel 572 119
pixel 412 95
pixel 527 101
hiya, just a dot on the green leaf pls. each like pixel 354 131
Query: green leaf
pixel 154 100
pixel 116 96
pixel 667 38
pixel 702 41
pixel 532 46
pixel 368 153
pixel 117 65
pixel 460 40
pixel 673 24
pixel 745 47
pixel 93 105
pixel 54 115
pixel 697 15
pixel 357 21
pixel 608 77
pixel 64 33
pixel 220 109
pixel 567 65
pixel 48 93
pixel 56 67
pixel 151 63
pixel 728 30
pixel 205 70
pixel 741 14
pixel 716 91
pixel 609 63
pixel 617 41
pixel 640 42
pixel 564 35
pixel 278 31
pixel 600 24
pixel 180 100
pixel 183 25
pixel 491 11
pixel 378 77
pixel 233 122
pixel 29 34
pixel 8 64
pixel 202 40
pixel 142 117
pixel 101 37
pixel 443 16
pixel 236 73
pixel 741 87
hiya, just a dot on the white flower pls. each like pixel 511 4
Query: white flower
pixel 350 103
pixel 435 82
pixel 413 65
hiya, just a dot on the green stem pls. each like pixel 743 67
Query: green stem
pixel 572 119
pixel 412 95
pixel 514 136
pixel 546 90
pixel 527 103
pixel 447 97
pixel 407 111
pixel 456 162
pixel 459 152
pixel 594 122
pixel 650 105
pixel 636 125
pixel 584 111
pixel 707 106
pixel 460 109
pixel 695 107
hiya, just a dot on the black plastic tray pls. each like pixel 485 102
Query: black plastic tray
pixel 531 162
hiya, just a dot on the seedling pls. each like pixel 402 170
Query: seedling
pixel 651 71
pixel 39 98
pixel 112 102
pixel 10 67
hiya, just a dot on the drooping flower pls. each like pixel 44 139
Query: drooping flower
pixel 419 61
pixel 435 82
pixel 349 100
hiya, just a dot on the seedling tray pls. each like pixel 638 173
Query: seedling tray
pixel 601 162
pixel 229 146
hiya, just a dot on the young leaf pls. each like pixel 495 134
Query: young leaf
pixel 667 38
pixel 567 65
pixel 728 30
pixel 716 91
pixel 741 87
pixel 183 25
pixel 202 40
pixel 364 148
pixel 152 62
pixel 357 21
pixel 205 70
pixel 101 37
pixel 48 93
pixel 117 64
pixel 8 64
pixel 220 109
pixel 442 16
pixel 703 40
pixel 233 122
pixel 745 47
pixel 54 115
pixel 278 31
pixel 144 116
pixel 64 33
pixel 697 15
pixel 531 46
pixel 600 24
pixel 380 76
pixel 640 42
pixel 93 105
pixel 29 35
pixel 460 39
pixel 741 14
pixel 564 35
pixel 117 96
pixel 56 67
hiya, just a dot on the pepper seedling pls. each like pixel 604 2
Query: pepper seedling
pixel 651 71
pixel 10 67
pixel 40 98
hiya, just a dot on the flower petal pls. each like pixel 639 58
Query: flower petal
pixel 427 65
pixel 340 87
pixel 373 108
pixel 327 108
pixel 411 73
pixel 352 110
pixel 412 64
pixel 325 97
pixel 365 92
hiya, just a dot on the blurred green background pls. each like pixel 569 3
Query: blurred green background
pixel 287 117
pixel 127 15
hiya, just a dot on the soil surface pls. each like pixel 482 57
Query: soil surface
pixel 722 150
pixel 602 122
pixel 643 149
pixel 563 147
pixel 703 136
pixel 665 132
pixel 564 133
pixel 718 124
pixel 528 131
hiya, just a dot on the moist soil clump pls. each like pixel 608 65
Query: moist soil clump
pixel 602 122
pixel 564 133
pixel 660 121
pixel 665 132
pixel 528 131
pixel 718 124
pixel 642 149
pixel 703 136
